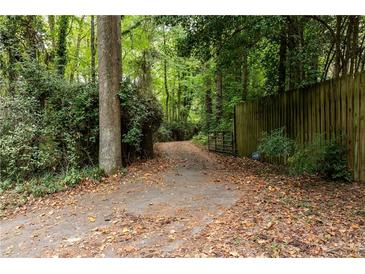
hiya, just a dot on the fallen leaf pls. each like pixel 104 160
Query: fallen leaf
pixel 269 225
pixel 91 219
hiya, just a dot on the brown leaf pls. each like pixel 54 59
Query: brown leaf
pixel 91 219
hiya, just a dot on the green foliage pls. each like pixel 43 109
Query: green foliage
pixel 52 125
pixel 307 158
pixel 334 165
pixel 50 183
pixel 20 135
pixel 163 134
pixel 201 139
pixel 325 158
pixel 5 185
pixel 69 114
pixel 62 44
pixel 176 131
pixel 276 144
pixel 140 112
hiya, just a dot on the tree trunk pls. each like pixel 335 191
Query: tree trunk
pixel 75 64
pixel 208 104
pixel 109 44
pixel 338 46
pixel 165 77
pixel 50 54
pixel 295 42
pixel 355 43
pixel 92 49
pixel 62 45
pixel 31 36
pixel 282 60
pixel 12 71
pixel 219 100
pixel 244 76
pixel 147 142
pixel 179 97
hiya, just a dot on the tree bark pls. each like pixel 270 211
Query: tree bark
pixel 109 44
pixel 338 46
pixel 62 45
pixel 165 78
pixel 355 43
pixel 179 89
pixel 295 41
pixel 50 54
pixel 75 64
pixel 244 76
pixel 208 104
pixel 282 60
pixel 92 49
pixel 219 99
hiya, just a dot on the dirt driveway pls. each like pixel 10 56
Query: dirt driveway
pixel 159 206
pixel 187 202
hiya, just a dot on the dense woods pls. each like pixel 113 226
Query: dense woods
pixel 178 76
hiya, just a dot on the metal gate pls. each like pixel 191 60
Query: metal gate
pixel 222 142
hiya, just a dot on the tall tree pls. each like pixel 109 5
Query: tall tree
pixel 92 49
pixel 62 45
pixel 165 76
pixel 208 103
pixel 219 97
pixel 80 37
pixel 244 75
pixel 282 59
pixel 109 45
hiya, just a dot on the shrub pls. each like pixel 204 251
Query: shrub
pixel 5 185
pixel 141 116
pixel 276 144
pixel 327 158
pixel 140 112
pixel 176 131
pixel 50 125
pixel 306 158
pixel 163 134
pixel 21 134
pixel 334 165
pixel 201 139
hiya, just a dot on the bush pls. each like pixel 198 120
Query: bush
pixel 306 158
pixel 49 126
pixel 276 144
pixel 176 131
pixel 5 185
pixel 334 165
pixel 21 133
pixel 163 134
pixel 327 159
pixel 201 139
pixel 142 116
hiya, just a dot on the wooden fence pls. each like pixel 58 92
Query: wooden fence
pixel 332 108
